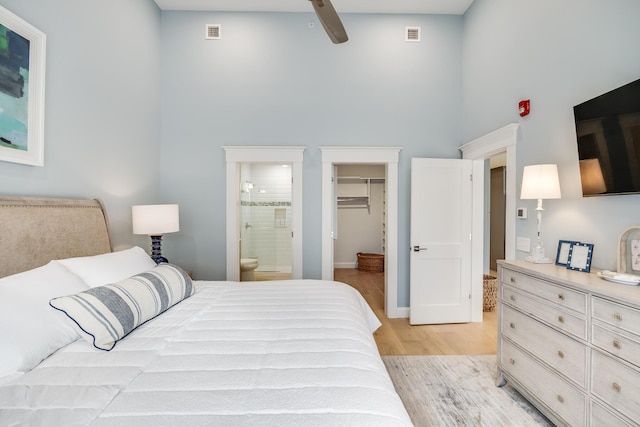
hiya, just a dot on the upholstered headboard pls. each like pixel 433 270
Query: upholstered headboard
pixel 35 230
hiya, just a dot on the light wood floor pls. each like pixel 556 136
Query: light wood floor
pixel 397 337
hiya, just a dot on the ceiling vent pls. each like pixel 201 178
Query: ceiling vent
pixel 412 34
pixel 213 32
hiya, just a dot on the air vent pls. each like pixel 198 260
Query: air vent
pixel 213 32
pixel 412 34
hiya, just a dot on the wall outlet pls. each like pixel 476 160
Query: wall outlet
pixel 523 244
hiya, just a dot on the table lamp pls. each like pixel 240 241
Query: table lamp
pixel 540 182
pixel 155 220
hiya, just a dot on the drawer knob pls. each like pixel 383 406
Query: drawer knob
pixel 561 319
pixel 560 399
pixel 512 325
pixel 617 344
pixel 561 354
pixel 512 297
pixel 617 387
pixel 617 316
pixel 511 361
pixel 561 297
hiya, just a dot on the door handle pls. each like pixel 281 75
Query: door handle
pixel 417 248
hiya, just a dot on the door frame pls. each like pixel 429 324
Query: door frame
pixel 235 155
pixel 500 140
pixel 364 155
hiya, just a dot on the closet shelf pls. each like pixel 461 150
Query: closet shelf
pixel 353 202
pixel 354 192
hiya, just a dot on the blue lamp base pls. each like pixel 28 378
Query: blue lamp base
pixel 156 249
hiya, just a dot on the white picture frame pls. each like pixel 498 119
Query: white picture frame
pixel 580 257
pixel 22 96
pixel 562 257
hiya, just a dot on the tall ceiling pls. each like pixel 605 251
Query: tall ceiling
pixel 452 7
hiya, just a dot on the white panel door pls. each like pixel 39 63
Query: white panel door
pixel 440 261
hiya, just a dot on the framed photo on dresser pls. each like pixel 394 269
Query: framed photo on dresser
pixel 562 258
pixel 580 257
pixel 629 251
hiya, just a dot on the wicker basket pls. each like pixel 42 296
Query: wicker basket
pixel 370 262
pixel 490 291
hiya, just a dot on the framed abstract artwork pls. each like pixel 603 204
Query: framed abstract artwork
pixel 22 77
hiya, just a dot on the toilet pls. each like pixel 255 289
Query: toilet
pixel 247 267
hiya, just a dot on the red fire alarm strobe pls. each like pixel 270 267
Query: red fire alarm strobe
pixel 525 107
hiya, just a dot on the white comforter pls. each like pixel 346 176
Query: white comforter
pixel 290 353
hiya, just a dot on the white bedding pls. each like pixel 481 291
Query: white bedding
pixel 288 353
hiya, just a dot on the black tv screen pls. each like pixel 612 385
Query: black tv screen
pixel 608 136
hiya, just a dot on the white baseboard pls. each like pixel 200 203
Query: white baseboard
pixel 398 313
pixel 344 265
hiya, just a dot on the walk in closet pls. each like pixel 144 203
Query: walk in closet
pixel 360 192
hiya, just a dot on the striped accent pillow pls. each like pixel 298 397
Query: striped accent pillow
pixel 108 313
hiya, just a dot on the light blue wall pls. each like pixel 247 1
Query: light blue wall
pixel 102 106
pixel 133 95
pixel 557 56
pixel 272 80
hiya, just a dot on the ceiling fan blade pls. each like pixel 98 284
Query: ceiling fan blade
pixel 330 20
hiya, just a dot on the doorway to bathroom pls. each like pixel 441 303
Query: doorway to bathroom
pixel 265 221
pixel 285 216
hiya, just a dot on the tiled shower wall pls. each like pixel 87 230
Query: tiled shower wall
pixel 266 216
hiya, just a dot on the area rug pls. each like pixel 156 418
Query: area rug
pixel 458 391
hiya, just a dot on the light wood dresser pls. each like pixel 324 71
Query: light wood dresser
pixel 570 343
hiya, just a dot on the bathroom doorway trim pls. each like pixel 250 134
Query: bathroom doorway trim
pixel 235 156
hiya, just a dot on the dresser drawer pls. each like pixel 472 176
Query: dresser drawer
pixel 616 384
pixel 565 297
pixel 556 349
pixel 618 344
pixel 550 313
pixel 560 396
pixel 602 417
pixel 623 317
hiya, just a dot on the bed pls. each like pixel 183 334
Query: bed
pixel 280 353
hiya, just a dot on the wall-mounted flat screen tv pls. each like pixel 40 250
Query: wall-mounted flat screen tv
pixel 608 136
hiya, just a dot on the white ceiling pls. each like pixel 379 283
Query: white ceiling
pixel 453 7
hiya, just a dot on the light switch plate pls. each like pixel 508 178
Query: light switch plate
pixel 523 244
pixel 521 213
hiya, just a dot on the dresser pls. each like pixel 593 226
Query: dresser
pixel 570 343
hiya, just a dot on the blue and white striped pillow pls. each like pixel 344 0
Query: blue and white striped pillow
pixel 108 313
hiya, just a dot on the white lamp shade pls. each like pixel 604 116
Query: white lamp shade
pixel 540 182
pixel 155 220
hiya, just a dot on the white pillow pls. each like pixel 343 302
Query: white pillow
pixel 29 330
pixel 106 314
pixel 111 267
